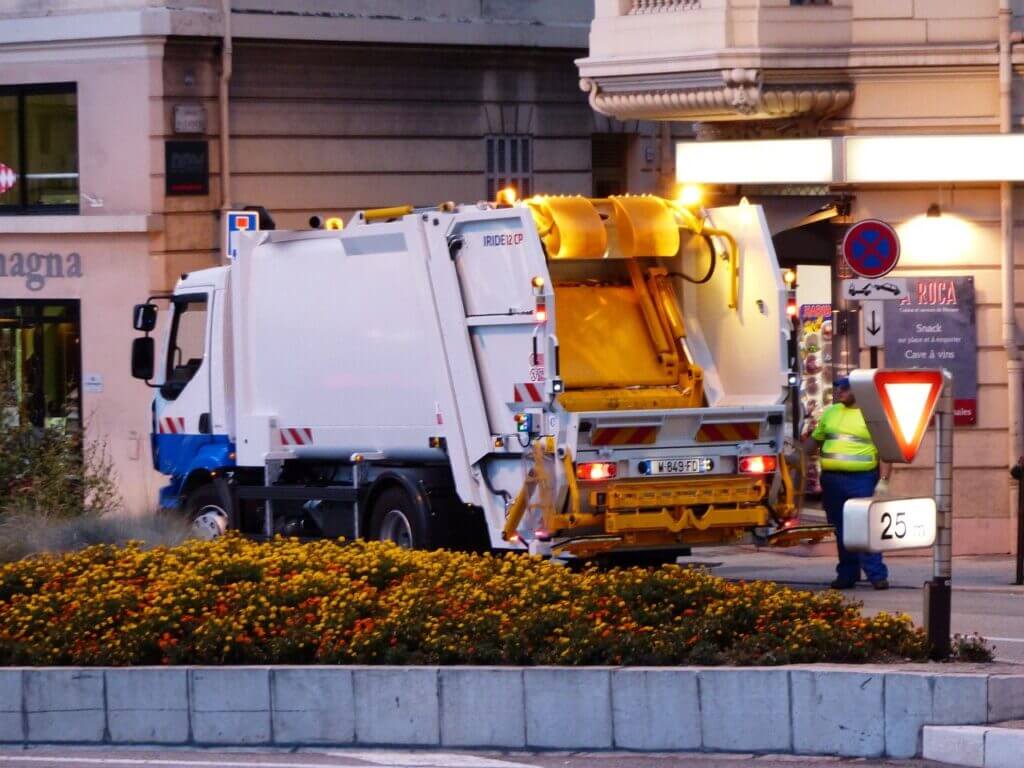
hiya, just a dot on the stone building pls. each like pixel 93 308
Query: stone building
pixel 772 71
pixel 128 126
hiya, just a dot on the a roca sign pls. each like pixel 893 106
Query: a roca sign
pixel 36 268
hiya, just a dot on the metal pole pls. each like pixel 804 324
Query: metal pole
pixel 938 592
pixel 1017 472
pixel 796 369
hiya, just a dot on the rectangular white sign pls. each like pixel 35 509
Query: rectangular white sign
pixel 882 525
pixel 872 324
pixel 92 383
pixel 881 289
pixel 189 118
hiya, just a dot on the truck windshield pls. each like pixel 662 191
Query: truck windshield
pixel 187 345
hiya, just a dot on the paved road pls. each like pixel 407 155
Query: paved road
pixel 82 757
pixel 984 600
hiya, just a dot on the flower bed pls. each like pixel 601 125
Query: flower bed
pixel 234 601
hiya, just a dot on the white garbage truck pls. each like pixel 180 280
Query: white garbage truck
pixel 576 377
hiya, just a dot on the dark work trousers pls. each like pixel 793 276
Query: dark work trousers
pixel 836 488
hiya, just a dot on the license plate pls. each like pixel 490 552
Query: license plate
pixel 690 465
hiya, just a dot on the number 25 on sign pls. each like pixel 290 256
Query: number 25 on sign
pixel 882 525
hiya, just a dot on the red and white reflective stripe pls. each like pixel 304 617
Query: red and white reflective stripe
pixel 171 425
pixel 296 436
pixel 528 392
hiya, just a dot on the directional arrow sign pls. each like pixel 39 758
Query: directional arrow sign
pixel 897 407
pixel 872 325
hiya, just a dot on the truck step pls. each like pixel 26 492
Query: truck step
pixel 297 493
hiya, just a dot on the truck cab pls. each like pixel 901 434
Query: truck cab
pixel 191 438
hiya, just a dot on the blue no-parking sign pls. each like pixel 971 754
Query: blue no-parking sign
pixel 238 221
pixel 871 248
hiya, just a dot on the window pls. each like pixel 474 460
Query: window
pixel 608 163
pixel 40 363
pixel 509 163
pixel 187 346
pixel 38 149
pixel 810 2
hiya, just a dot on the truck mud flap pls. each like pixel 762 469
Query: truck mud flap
pixel 791 536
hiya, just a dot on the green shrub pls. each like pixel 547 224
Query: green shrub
pixel 972 648
pixel 50 472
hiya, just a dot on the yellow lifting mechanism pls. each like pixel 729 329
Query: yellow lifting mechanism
pixel 572 227
pixel 621 330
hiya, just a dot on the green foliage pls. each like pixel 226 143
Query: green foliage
pixel 49 472
pixel 971 648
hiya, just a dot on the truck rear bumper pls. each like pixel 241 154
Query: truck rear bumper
pixel 662 494
pixel 679 520
pixel 677 505
pixel 670 513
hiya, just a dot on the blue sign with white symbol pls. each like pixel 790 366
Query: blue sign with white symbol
pixel 239 221
pixel 871 248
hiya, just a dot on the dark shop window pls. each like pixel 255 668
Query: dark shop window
pixel 40 363
pixel 38 149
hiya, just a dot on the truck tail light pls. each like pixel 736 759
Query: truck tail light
pixel 758 465
pixel 596 470
pixel 540 313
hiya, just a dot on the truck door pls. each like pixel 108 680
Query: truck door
pixel 182 411
pixel 497 264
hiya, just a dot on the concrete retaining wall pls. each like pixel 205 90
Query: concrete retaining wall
pixel 850 711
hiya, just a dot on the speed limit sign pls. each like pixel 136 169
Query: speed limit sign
pixel 882 525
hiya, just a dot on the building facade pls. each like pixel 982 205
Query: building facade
pixel 128 126
pixel 732 70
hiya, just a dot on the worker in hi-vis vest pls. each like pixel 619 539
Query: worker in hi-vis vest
pixel 849 470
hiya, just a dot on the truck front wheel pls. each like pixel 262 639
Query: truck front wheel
pixel 206 514
pixel 396 518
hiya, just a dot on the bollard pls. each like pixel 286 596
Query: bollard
pixel 1017 472
pixel 938 592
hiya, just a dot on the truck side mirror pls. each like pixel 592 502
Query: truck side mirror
pixel 143 354
pixel 144 317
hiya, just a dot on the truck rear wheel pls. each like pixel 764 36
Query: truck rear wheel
pixel 396 518
pixel 206 513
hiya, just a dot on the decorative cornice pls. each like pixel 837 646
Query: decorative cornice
pixel 778 60
pixel 739 94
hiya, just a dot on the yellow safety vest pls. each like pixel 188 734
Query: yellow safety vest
pixel 846 442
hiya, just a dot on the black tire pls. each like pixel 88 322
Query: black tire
pixel 396 517
pixel 206 513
